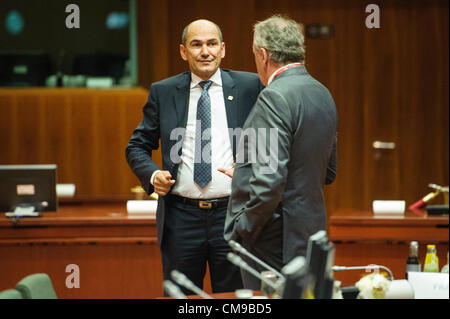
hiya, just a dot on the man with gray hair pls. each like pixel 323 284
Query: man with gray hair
pixel 273 214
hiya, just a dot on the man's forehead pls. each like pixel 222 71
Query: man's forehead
pixel 203 39
pixel 202 31
pixel 203 34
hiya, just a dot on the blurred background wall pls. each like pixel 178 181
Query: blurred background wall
pixel 390 85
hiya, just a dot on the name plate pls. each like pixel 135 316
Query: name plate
pixel 142 206
pixel 388 207
pixel 65 190
pixel 428 285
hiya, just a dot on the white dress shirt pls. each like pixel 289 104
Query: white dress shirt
pixel 221 152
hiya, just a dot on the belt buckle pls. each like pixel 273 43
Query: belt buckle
pixel 204 204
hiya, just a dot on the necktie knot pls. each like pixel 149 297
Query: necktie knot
pixel 205 85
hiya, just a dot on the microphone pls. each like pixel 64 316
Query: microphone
pixel 173 290
pixel 424 200
pixel 184 281
pixel 367 268
pixel 238 261
pixel 237 247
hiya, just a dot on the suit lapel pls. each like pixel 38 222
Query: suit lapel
pixel 182 100
pixel 230 96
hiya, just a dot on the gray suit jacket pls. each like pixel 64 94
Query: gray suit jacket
pixel 303 158
pixel 167 109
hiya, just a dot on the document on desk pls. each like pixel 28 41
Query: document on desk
pixel 428 285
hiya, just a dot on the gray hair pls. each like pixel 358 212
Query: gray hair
pixel 185 31
pixel 282 38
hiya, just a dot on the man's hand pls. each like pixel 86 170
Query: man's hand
pixel 227 171
pixel 163 182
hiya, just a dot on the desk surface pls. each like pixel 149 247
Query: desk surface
pixel 347 224
pixel 410 218
pixel 84 215
pixel 117 254
pixel 80 224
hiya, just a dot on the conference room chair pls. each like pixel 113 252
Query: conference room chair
pixel 36 286
pixel 10 294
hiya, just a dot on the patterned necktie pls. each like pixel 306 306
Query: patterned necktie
pixel 202 156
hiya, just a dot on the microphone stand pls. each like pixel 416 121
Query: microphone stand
pixel 173 290
pixel 238 261
pixel 236 246
pixel 182 280
pixel 368 267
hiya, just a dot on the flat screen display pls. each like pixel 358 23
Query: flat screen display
pixel 28 185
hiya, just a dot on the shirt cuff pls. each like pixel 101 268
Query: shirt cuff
pixel 153 176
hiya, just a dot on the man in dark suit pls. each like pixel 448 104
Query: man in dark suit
pixel 195 115
pixel 277 201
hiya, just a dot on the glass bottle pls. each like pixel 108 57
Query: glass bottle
pixel 445 268
pixel 431 260
pixel 413 262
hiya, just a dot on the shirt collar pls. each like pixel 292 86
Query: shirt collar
pixel 216 78
pixel 275 72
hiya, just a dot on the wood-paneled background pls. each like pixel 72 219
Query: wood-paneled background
pixel 83 131
pixel 389 84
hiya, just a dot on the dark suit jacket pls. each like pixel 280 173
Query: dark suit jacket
pixel 304 115
pixel 167 109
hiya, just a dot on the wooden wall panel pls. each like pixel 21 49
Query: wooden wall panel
pixel 424 106
pixel 84 132
pixel 153 33
pixel 388 84
pixel 381 87
pixel 118 270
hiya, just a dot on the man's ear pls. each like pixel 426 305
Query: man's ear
pixel 223 50
pixel 264 55
pixel 183 52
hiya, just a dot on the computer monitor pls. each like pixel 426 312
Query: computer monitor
pixel 299 281
pixel 28 185
pixel 24 69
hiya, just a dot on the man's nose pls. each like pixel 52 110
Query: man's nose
pixel 205 50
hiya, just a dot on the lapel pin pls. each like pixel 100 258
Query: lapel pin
pixel 230 98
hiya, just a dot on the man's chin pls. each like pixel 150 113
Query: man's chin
pixel 206 73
